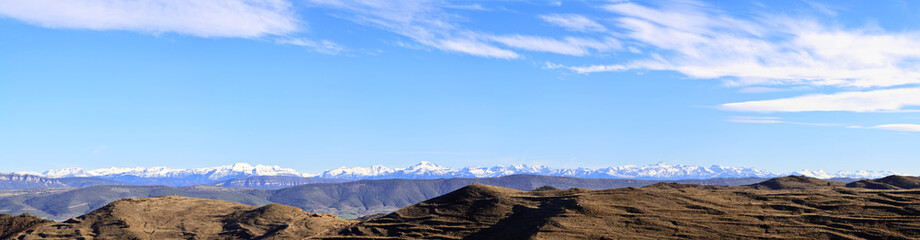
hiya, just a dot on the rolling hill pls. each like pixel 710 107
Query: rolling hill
pixel 688 212
pixel 174 217
pixel 348 199
pixel 61 204
pixel 784 208
pixel 889 182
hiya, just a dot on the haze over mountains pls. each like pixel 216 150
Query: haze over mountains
pixel 425 170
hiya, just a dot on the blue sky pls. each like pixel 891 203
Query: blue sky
pixel 312 85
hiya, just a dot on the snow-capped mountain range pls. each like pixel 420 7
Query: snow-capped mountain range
pixel 657 171
pixel 171 176
pixel 214 173
pixel 427 170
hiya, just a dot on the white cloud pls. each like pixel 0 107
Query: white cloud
pixel 567 46
pixel 424 21
pixel 895 127
pixel 761 90
pixel 574 22
pixel 202 18
pixel 693 39
pixel 755 120
pixel 476 48
pixel 822 8
pixel 428 23
pixel 322 46
pixel 475 7
pixel 888 100
pixel 588 69
pixel 776 120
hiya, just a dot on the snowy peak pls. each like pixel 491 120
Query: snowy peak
pixel 665 171
pixel 655 171
pixel 65 172
pixel 247 170
pixel 356 172
pixel 498 171
pixel 425 166
pixel 844 174
pixel 214 173
pixel 661 171
pixel 428 170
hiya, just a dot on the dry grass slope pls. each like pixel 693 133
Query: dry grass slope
pixel 889 182
pixel 782 208
pixel 11 226
pixel 174 217
pixel 656 212
pixel 796 182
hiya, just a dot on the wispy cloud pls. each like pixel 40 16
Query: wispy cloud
pixel 693 39
pixel 566 46
pixel 888 100
pixel 761 90
pixel 894 127
pixel 755 120
pixel 588 69
pixel 822 8
pixel 574 22
pixel 424 21
pixel 202 18
pixel 475 7
pixel 322 46
pixel 476 47
pixel 777 120
pixel 428 23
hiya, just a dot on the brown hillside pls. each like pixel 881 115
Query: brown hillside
pixel 176 217
pixel 796 182
pixel 889 182
pixel 485 212
pixel 11 226
pixel 801 208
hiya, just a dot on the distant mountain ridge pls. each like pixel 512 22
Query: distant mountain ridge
pixel 27 181
pixel 172 176
pixel 20 181
pixel 427 170
pixel 509 207
pixel 660 171
pixel 351 198
pixel 212 173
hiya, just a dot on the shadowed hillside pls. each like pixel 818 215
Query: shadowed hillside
pixel 64 204
pixel 889 182
pixel 11 226
pixel 782 208
pixel 366 197
pixel 349 199
pixel 796 182
pixel 690 212
pixel 174 217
